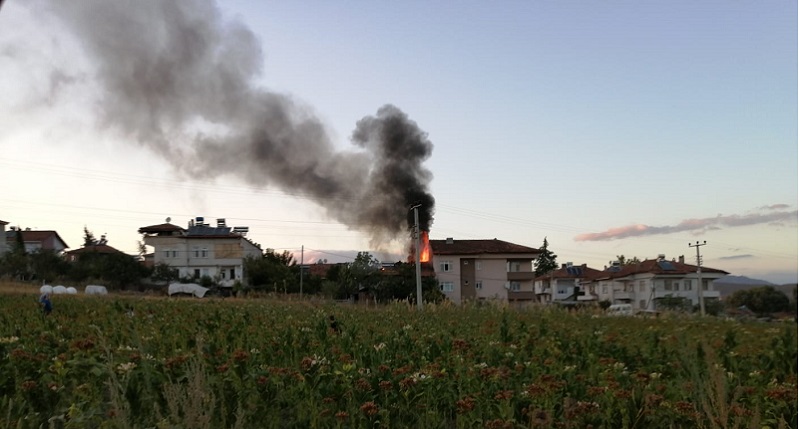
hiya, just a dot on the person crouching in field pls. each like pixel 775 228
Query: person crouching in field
pixel 46 304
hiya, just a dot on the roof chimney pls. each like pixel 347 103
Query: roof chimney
pixel 221 223
pixel 680 259
pixel 449 240
pixel 661 256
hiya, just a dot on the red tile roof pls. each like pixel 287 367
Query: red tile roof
pixel 95 248
pixel 35 237
pixel 573 272
pixel 659 267
pixel 164 227
pixel 473 247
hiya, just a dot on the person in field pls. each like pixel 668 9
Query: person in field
pixel 46 304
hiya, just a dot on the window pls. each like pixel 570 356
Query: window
pixel 205 272
pixel 479 285
pixel 446 286
pixel 197 273
pixel 605 289
pixel 641 285
pixel 196 252
pixel 445 266
pixel 478 265
pixel 204 253
pixel 166 253
pixel 514 286
pixel 642 304
pixel 687 285
pixel 513 266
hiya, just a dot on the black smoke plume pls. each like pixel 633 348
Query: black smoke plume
pixel 177 77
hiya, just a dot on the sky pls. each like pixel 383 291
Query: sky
pixel 608 128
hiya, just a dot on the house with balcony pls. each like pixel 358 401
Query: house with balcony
pixel 473 270
pixel 35 241
pixel 570 283
pixel 643 284
pixel 202 250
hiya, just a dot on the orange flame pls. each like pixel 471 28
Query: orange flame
pixel 425 247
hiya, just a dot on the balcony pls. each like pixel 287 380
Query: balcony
pixel 618 294
pixel 521 275
pixel 526 295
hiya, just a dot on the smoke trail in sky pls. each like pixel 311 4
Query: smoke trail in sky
pixel 177 77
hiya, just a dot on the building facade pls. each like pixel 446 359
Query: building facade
pixel 474 270
pixel 643 284
pixel 35 241
pixel 202 250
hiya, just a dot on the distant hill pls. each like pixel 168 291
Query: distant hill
pixel 729 284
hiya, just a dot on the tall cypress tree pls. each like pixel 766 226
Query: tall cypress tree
pixel 546 261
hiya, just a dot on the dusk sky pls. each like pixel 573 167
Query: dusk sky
pixel 611 128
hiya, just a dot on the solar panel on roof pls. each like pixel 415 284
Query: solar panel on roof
pixel 666 265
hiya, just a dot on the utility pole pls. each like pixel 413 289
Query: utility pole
pixel 419 269
pixel 302 248
pixel 700 297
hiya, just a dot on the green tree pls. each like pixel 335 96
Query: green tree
pixel 15 263
pixel 623 261
pixel 88 237
pixel 47 265
pixel 546 261
pixel 272 271
pixel 761 300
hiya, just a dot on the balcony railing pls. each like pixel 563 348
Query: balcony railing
pixel 521 295
pixel 521 275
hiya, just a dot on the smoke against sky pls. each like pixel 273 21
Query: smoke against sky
pixel 179 79
pixel 694 225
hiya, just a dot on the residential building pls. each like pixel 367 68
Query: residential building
pixel 100 248
pixel 484 269
pixel 573 283
pixel 3 245
pixel 643 284
pixel 202 250
pixel 36 240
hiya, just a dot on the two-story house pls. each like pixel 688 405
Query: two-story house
pixel 35 240
pixel 570 282
pixel 643 284
pixel 484 269
pixel 202 250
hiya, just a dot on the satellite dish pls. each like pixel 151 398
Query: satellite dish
pixel 169 219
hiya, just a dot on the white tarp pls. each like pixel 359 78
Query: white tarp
pixel 46 289
pixel 95 290
pixel 71 290
pixel 59 290
pixel 188 288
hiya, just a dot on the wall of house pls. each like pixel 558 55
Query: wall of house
pixel 448 272
pixel 493 277
pixel 212 257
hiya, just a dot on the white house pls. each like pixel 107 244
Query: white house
pixel 643 284
pixel 202 250
pixel 484 269
pixel 568 283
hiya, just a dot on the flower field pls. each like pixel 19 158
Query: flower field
pixel 131 362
